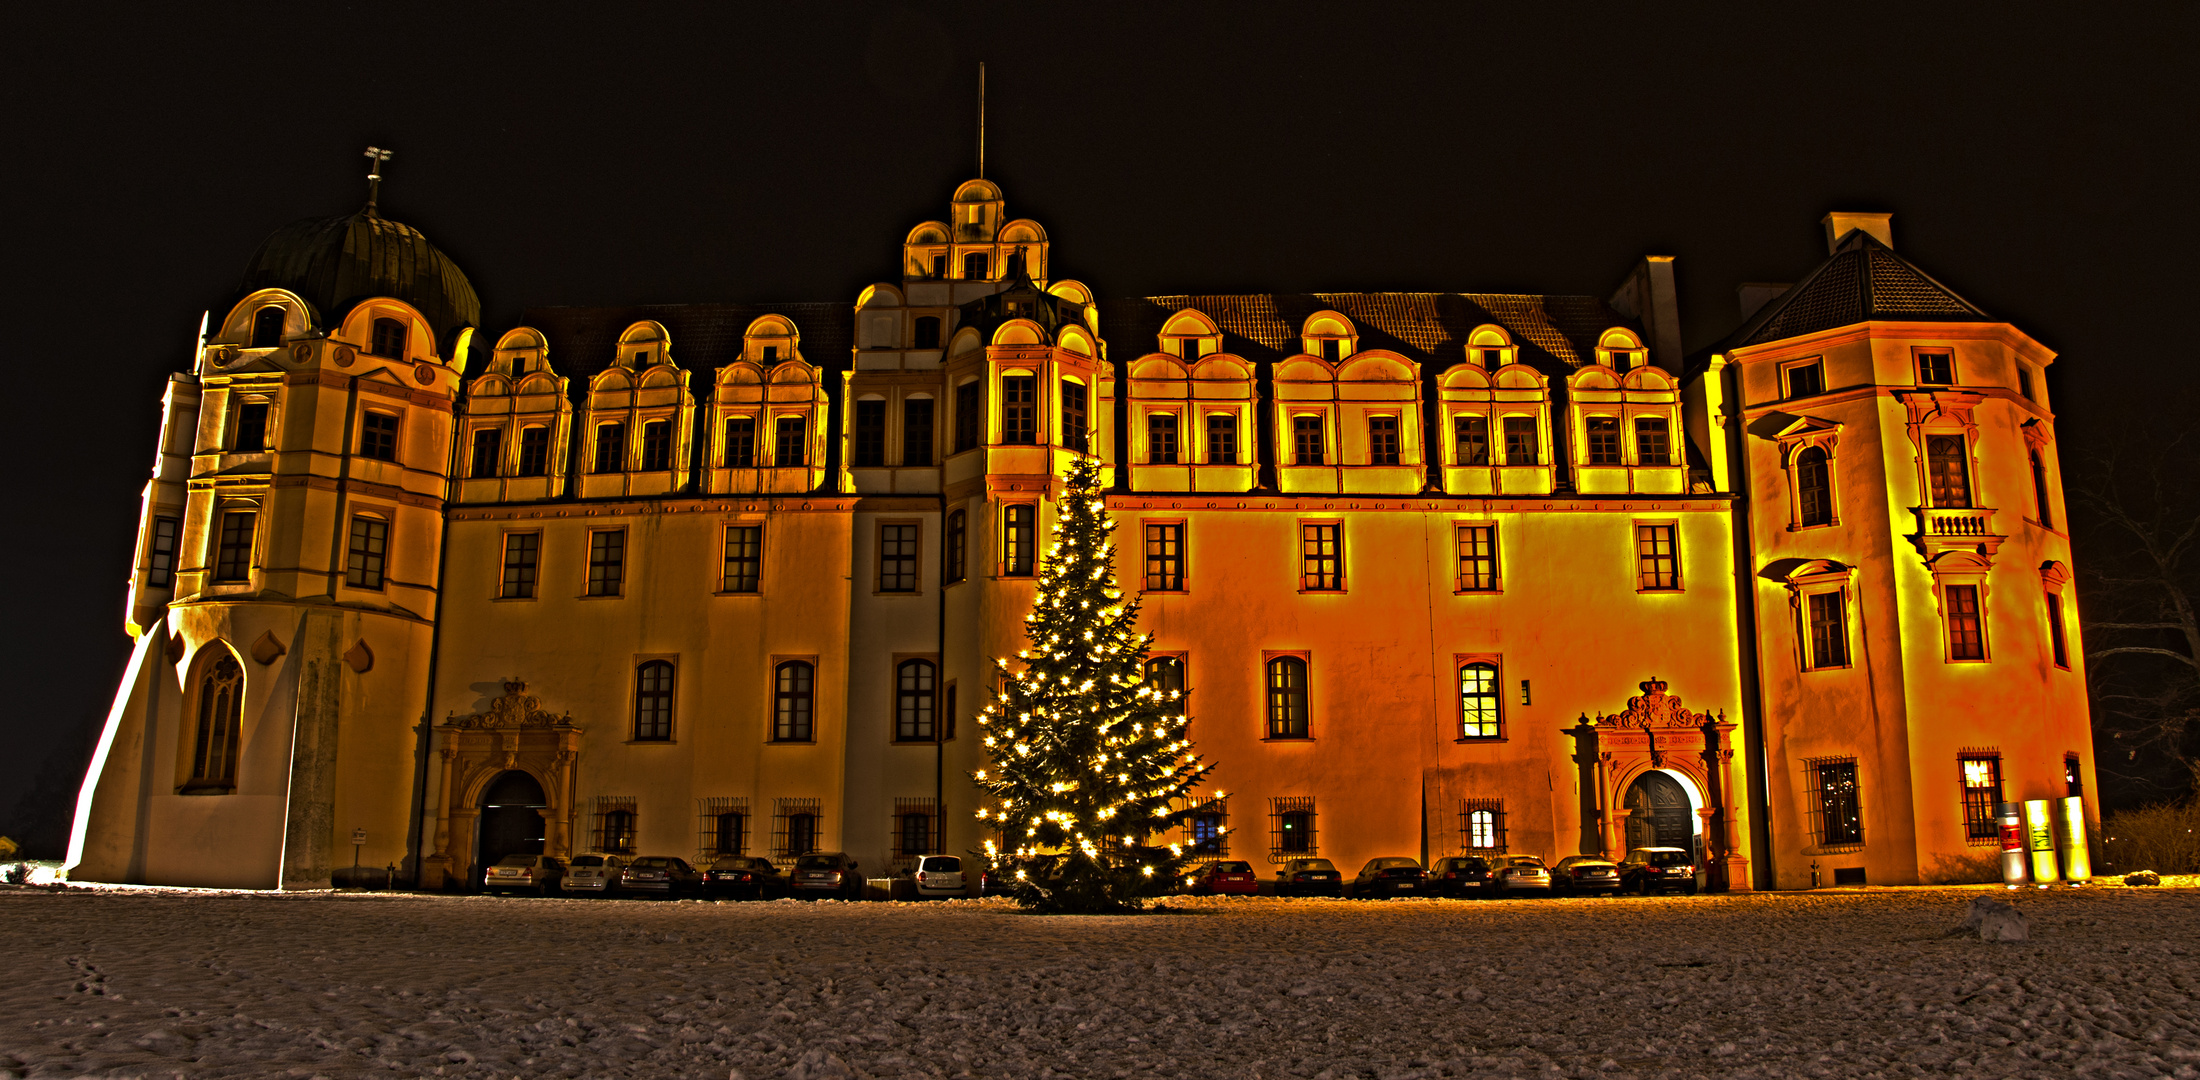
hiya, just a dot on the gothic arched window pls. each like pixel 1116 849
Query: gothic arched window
pixel 653 701
pixel 1813 488
pixel 214 754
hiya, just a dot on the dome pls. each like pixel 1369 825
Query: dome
pixel 336 262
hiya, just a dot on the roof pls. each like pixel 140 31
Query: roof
pixel 1862 281
pixel 705 337
pixel 1022 299
pixel 336 262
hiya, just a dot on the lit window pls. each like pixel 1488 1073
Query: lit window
pixel 1478 713
pixel 606 562
pixel 1482 830
pixel 1019 539
pixel 897 558
pixel 1287 698
pixel 1294 827
pixel 1653 442
pixel 378 436
pixel 1471 439
pixel 522 552
pixel 1477 558
pixel 744 559
pixel 653 701
pixel 615 831
pixel 1166 675
pixel 1840 813
pixel 792 684
pixel 1657 557
pixel 1321 557
pixel 370 539
pixel 914 701
pixel 1210 831
pixel 1521 443
pixel 1165 556
pixel 1981 796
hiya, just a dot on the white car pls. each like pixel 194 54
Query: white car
pixel 599 874
pixel 940 876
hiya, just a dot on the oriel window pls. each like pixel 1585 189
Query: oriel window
pixel 1321 556
pixel 251 427
pixel 791 442
pixel 1478 704
pixel 1829 629
pixel 969 415
pixel 1306 440
pixel 1019 539
pixel 214 752
pixel 1075 434
pixel 1165 556
pixel 792 684
pixel 1382 440
pixel 1477 558
pixel 522 554
pixel 744 559
pixel 1966 633
pixel 610 448
pixel 160 554
pixel 1604 440
pixel 606 562
pixel 487 444
pixel 1813 488
pixel 914 685
pixel 1653 441
pixel 389 339
pixel 1950 468
pixel 657 446
pixel 534 451
pixel 1161 438
pixel 897 558
pixel 916 431
pixel 1521 444
pixel 233 551
pixel 370 537
pixel 1222 439
pixel 378 436
pixel 1657 556
pixel 653 701
pixel 1287 698
pixel 1470 436
pixel 1019 410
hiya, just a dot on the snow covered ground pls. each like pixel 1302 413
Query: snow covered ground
pixel 159 983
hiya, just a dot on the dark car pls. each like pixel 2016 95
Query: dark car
pixel 1579 875
pixel 826 875
pixel 1658 869
pixel 743 877
pixel 1394 875
pixel 1309 877
pixel 1225 876
pixel 1512 875
pixel 539 874
pixel 662 875
pixel 1460 875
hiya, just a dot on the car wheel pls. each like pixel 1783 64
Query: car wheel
pixel 1690 890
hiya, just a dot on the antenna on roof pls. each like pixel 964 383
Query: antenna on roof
pixel 981 119
pixel 377 155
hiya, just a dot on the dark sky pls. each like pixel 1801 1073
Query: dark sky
pixel 2038 159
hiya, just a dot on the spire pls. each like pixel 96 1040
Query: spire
pixel 376 155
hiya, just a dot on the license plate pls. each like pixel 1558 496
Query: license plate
pixel 507 873
pixel 1403 885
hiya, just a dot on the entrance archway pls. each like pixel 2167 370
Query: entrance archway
pixel 1661 813
pixel 511 819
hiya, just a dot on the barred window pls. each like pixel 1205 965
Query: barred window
pixel 1604 440
pixel 233 554
pixel 1222 439
pixel 897 558
pixel 160 554
pixel 1966 634
pixel 1482 826
pixel 534 451
pixel 914 684
pixel 616 818
pixel 722 827
pixel 744 559
pixel 1477 558
pixel 915 830
pixel 1657 558
pixel 1287 698
pixel 1019 539
pixel 378 436
pixel 792 444
pixel 370 539
pixel 1164 556
pixel 522 552
pixel 1161 438
pixel 657 446
pixel 796 828
pixel 1019 409
pixel 1291 828
pixel 1813 488
pixel 1306 440
pixel 487 443
pixel 791 716
pixel 653 701
pixel 916 431
pixel 606 562
pixel 870 434
pixel 1840 814
pixel 1653 444
pixel 1829 629
pixel 740 452
pixel 1981 774
pixel 610 448
pixel 1522 445
pixel 1479 716
pixel 214 755
pixel 1075 436
pixel 1382 440
pixel 957 548
pixel 1208 830
pixel 1470 436
pixel 1321 556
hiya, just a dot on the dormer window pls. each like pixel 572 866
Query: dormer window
pixel 389 339
pixel 1332 350
pixel 1493 359
pixel 1189 349
pixel 939 266
pixel 771 354
pixel 267 328
pixel 975 266
pixel 927 330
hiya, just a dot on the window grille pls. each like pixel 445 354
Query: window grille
pixel 1653 445
pixel 653 701
pixel 1482 826
pixel 1161 438
pixel 606 562
pixel 160 561
pixel 1838 819
pixel 916 431
pixel 1966 635
pixel 221 699
pixel 657 446
pixel 897 558
pixel 534 451
pixel 792 444
pixel 522 553
pixel 796 826
pixel 957 548
pixel 1479 715
pixel 744 559
pixel 1075 436
pixel 915 831
pixel 370 538
pixel 1604 440
pixel 378 436
pixel 1287 717
pixel 615 819
pixel 1382 440
pixel 1306 440
pixel 610 447
pixel 915 686
pixel 251 427
pixel 487 442
pixel 870 436
pixel 1522 446
pixel 1471 439
pixel 1657 556
pixel 740 442
pixel 1019 539
pixel 1222 440
pixel 1019 410
pixel 1207 831
pixel 1829 629
pixel 1321 556
pixel 1981 776
pixel 793 682
pixel 969 415
pixel 1165 556
pixel 1291 828
pixel 722 827
pixel 1950 469
pixel 1477 558
pixel 233 557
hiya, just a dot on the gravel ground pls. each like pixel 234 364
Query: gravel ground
pixel 161 983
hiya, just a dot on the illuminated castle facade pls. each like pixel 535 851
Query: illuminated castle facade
pixel 1440 572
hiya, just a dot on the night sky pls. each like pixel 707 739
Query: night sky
pixel 2040 160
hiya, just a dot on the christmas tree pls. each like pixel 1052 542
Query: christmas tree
pixel 1089 761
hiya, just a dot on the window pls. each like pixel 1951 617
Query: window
pixel 251 428
pixel 927 331
pixel 1166 675
pixel 1019 410
pixel 1829 629
pixel 897 558
pixel 1950 470
pixel 1477 558
pixel 1306 440
pixel 214 755
pixel 744 559
pixel 1222 439
pixel 2073 776
pixel 2039 489
pixel 2024 382
pixel 370 538
pixel 916 431
pixel 1074 434
pixel 1478 713
pixel 870 440
pixel 1019 539
pixel 160 554
pixel 1287 698
pixel 1521 443
pixel 1840 815
pixel 1981 796
pixel 1491 359
pixel 610 447
pixel 1382 440
pixel 534 451
pixel 656 446
pixel 233 554
pixel 1966 636
pixel 1165 556
pixel 2057 647
pixel 974 266
pixel 522 552
pixel 1657 557
pixel 914 702
pixel 912 828
pixel 790 442
pixel 1806 380
pixel 1653 442
pixel 378 436
pixel 791 719
pixel 606 562
pixel 740 442
pixel 1210 829
pixel 1470 437
pixel 1188 349
pixel 1813 488
pixel 1604 440
pixel 389 339
pixel 653 701
pixel 1936 369
pixel 267 328
pixel 486 444
pixel 1332 350
pixel 615 825
pixel 1161 438
pixel 771 355
pixel 728 833
pixel 969 412
pixel 798 833
pixel 956 551
pixel 1482 826
pixel 1291 827
pixel 939 266
pixel 1321 556
pixel 947 713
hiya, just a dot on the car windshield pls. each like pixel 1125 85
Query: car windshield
pixel 735 863
pixel 1670 858
pixel 588 860
pixel 942 864
pixel 1316 864
pixel 818 862
pixel 653 863
pixel 1233 868
pixel 518 860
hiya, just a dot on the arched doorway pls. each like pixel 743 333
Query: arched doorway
pixel 1660 813
pixel 511 820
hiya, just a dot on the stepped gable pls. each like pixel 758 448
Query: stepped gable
pixel 1863 280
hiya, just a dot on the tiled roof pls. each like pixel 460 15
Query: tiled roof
pixel 1558 332
pixel 1863 280
pixel 705 337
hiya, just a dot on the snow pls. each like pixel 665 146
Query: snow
pixel 159 983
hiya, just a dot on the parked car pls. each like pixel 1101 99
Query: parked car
pixel 1512 875
pixel 938 877
pixel 539 873
pixel 1656 869
pixel 1225 876
pixel 599 874
pixel 743 877
pixel 1459 875
pixel 826 875
pixel 664 876
pixel 994 883
pixel 1390 876
pixel 1577 875
pixel 1309 877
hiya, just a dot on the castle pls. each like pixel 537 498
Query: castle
pixel 1439 572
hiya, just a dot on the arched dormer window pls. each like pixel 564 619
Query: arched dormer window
pixel 214 750
pixel 389 339
pixel 1620 350
pixel 653 701
pixel 926 333
pixel 267 327
pixel 1813 488
pixel 1329 335
pixel 1489 347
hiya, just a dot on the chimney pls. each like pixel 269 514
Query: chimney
pixel 1754 295
pixel 1840 223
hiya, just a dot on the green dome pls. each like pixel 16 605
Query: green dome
pixel 334 263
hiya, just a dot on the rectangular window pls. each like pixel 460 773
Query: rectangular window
pixel 725 827
pixel 1521 443
pixel 1981 796
pixel 796 827
pixel 534 451
pixel 915 698
pixel 2057 647
pixel 233 556
pixel 870 436
pixel 913 831
pixel 378 436
pixel 794 683
pixel 897 558
pixel 370 538
pixel 1288 696
pixel 1306 440
pixel 1210 826
pixel 1321 556
pixel 939 266
pixel 1657 557
pixel 1829 629
pixel 969 415
pixel 1806 380
pixel 1382 440
pixel 615 819
pixel 2073 776
pixel 740 442
pixel 1222 439
pixel 1936 369
pixel 610 448
pixel 1966 635
pixel 790 442
pixel 1477 558
pixel 522 554
pixel 1019 410
pixel 1604 440
pixel 1840 812
pixel 1653 444
pixel 1480 713
pixel 1470 436
pixel 1165 556
pixel 2024 382
pixel 1074 433
pixel 487 442
pixel 2039 489
pixel 606 562
pixel 1161 438
pixel 657 446
pixel 1482 826
pixel 956 552
pixel 1291 828
pixel 1948 464
pixel 1019 539
pixel 916 431
pixel 744 559
pixel 251 428
pixel 160 554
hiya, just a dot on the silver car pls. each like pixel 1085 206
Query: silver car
pixel 1511 875
pixel 598 874
pixel 538 874
pixel 939 876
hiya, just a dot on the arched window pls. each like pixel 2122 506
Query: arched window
pixel 791 715
pixel 913 701
pixel 1478 715
pixel 653 700
pixel 267 328
pixel 1287 698
pixel 1813 488
pixel 1166 674
pixel 389 339
pixel 214 757
pixel 1482 829
pixel 927 333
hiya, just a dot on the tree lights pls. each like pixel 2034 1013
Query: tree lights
pixel 1089 761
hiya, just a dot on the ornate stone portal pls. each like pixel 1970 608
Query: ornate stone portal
pixel 1655 733
pixel 513 733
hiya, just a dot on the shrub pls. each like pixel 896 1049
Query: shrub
pixel 2164 838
